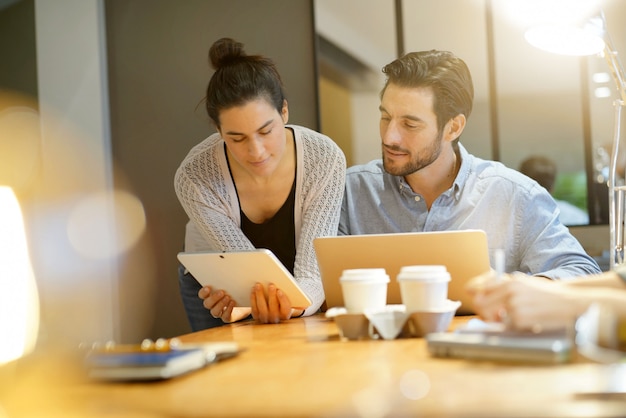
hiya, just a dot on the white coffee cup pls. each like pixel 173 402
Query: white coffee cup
pixel 364 289
pixel 423 287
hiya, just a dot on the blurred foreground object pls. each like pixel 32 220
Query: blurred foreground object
pixel 19 301
pixel 601 335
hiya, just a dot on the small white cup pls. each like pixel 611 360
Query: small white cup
pixel 364 289
pixel 423 288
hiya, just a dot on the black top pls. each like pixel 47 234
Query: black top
pixel 277 234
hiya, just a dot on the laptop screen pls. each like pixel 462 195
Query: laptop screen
pixel 464 253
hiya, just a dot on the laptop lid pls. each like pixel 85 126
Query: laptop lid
pixel 464 253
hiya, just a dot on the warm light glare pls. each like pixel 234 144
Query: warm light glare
pixel 415 384
pixel 601 78
pixel 526 13
pixel 19 302
pixel 564 40
pixel 602 92
pixel 104 225
pixel 20 145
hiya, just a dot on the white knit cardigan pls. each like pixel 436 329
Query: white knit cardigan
pixel 207 193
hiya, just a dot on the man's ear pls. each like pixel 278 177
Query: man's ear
pixel 455 126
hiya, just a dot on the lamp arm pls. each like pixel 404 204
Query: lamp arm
pixel 612 59
pixel 616 192
pixel 617 71
pixel 616 196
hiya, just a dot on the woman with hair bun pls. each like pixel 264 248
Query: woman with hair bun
pixel 256 183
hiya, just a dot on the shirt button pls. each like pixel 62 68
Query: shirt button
pixel 417 198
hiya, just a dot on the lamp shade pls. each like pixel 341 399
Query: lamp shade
pixel 567 39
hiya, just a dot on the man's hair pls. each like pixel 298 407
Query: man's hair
pixel 541 169
pixel 447 75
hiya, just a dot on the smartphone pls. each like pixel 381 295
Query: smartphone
pixel 507 346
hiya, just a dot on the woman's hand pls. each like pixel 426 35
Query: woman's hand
pixel 526 302
pixel 489 295
pixel 273 309
pixel 220 305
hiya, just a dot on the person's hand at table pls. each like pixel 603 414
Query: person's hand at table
pixel 221 305
pixel 525 302
pixel 273 309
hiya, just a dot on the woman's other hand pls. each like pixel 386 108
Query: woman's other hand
pixel 273 309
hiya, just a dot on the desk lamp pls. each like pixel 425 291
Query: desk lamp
pixel 19 302
pixel 591 38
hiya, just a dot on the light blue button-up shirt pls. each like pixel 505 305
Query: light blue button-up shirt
pixel 517 214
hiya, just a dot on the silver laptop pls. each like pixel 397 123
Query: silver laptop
pixel 464 253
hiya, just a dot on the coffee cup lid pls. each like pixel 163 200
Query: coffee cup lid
pixel 423 268
pixel 424 272
pixel 364 274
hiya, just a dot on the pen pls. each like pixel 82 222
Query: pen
pixel 499 263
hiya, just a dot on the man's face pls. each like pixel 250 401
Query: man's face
pixel 408 129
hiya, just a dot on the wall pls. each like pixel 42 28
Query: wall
pixel 18 88
pixel 17 43
pixel 158 72
pixel 353 49
pixel 334 111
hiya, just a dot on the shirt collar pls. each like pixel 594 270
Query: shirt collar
pixel 464 170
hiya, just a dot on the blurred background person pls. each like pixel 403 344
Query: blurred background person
pixel 544 171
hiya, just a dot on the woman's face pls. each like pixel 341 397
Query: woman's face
pixel 255 135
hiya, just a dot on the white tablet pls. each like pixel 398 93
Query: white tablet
pixel 237 272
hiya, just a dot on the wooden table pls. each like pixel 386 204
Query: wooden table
pixel 301 368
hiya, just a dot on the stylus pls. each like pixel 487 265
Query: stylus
pixel 499 263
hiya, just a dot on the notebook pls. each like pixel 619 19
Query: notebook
pixel 237 272
pixel 464 253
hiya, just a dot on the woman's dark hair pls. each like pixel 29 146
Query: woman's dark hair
pixel 446 74
pixel 240 78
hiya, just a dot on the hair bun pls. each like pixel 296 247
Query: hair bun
pixel 225 51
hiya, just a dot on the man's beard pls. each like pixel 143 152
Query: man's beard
pixel 421 160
